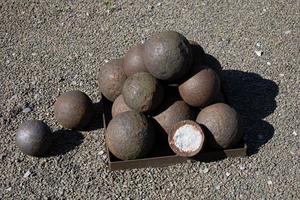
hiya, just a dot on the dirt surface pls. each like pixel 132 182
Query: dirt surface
pixel 50 47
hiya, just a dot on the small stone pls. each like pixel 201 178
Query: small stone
pixel 227 174
pixel 73 83
pixel 281 75
pixel 268 63
pixel 101 153
pixel 259 52
pixel 158 4
pixel 13 97
pixel 294 133
pixel 7 61
pixel 264 10
pixel 27 174
pixel 26 110
pixel 90 54
pixel 287 32
pixel 8 189
pixel 269 182
pixel 258 44
pixel 205 170
pixel 87 14
pixel 13 54
pixel 218 187
pixel 34 54
pixel 242 167
pixel 106 61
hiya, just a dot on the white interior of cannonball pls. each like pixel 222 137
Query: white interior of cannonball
pixel 187 138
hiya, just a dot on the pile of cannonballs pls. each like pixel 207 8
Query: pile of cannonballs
pixel 160 88
pixel 164 87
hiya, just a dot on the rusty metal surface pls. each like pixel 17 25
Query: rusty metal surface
pixel 162 155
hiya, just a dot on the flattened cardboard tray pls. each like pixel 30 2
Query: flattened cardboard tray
pixel 162 155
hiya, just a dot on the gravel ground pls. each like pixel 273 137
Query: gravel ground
pixel 50 47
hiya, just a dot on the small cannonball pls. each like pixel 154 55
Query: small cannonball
pixel 73 109
pixel 33 137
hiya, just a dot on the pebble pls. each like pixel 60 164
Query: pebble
pixel 26 110
pixel 27 174
pixel 218 187
pixel 34 54
pixel 101 153
pixel 227 174
pixel 205 170
pixel 268 63
pixel 281 75
pixel 259 52
pixel 242 167
pixel 106 61
pixel 258 44
pixel 294 133
pixel 265 10
pixel 287 32
pixel 8 189
pixel 269 182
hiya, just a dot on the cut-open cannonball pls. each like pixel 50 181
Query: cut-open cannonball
pixel 130 135
pixel 119 106
pixel 33 137
pixel 167 55
pixel 73 109
pixel 134 61
pixel 111 78
pixel 187 138
pixel 142 92
pixel 223 125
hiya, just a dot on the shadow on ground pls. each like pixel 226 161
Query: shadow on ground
pixel 254 98
pixel 96 120
pixel 64 141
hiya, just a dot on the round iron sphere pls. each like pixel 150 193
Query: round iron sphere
pixel 73 109
pixel 33 137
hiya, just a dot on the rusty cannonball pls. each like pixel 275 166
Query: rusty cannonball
pixel 186 138
pixel 130 135
pixel 119 106
pixel 111 78
pixel 201 88
pixel 142 92
pixel 167 55
pixel 134 61
pixel 73 109
pixel 222 125
pixel 33 137
pixel 172 110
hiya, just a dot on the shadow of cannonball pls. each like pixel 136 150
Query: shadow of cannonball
pixel 254 98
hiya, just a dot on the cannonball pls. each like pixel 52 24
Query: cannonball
pixel 130 135
pixel 167 55
pixel 73 109
pixel 134 61
pixel 223 125
pixel 33 137
pixel 111 78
